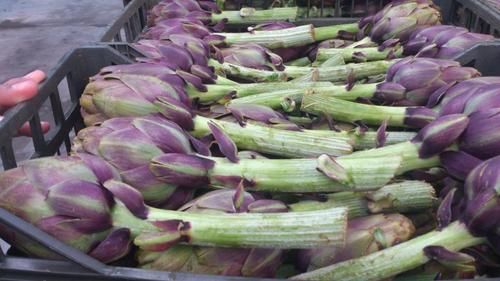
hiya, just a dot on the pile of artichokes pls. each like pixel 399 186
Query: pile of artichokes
pixel 346 152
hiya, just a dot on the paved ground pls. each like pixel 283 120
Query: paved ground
pixel 37 33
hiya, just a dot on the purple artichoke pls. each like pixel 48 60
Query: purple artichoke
pixel 64 197
pixel 365 235
pixel 411 81
pixel 133 90
pixel 220 261
pixel 147 137
pixel 465 89
pixel 80 201
pixel 399 19
pixel 443 41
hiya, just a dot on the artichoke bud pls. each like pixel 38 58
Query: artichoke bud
pixel 365 235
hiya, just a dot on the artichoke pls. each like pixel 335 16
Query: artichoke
pixel 148 136
pixel 399 19
pixel 80 200
pixel 130 90
pixel 220 261
pixel 365 235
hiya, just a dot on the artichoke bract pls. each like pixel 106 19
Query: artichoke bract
pixel 443 41
pixel 365 235
pixel 220 261
pixel 80 200
pixel 145 138
pixel 477 225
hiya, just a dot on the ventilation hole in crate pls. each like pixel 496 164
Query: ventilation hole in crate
pixel 46 113
pixel 65 95
pixel 7 157
pixel 23 148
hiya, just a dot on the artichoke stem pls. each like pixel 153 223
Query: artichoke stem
pixel 252 16
pixel 332 31
pixel 347 111
pixel 272 230
pixel 285 143
pixel 275 97
pixel 358 54
pixel 397 259
pixel 403 197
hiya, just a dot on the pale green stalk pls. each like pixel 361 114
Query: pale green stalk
pixel 332 74
pixel 360 171
pixel 253 16
pixel 289 37
pixel 347 111
pixel 277 230
pixel 358 54
pixel 397 259
pixel 402 197
pixel 289 99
